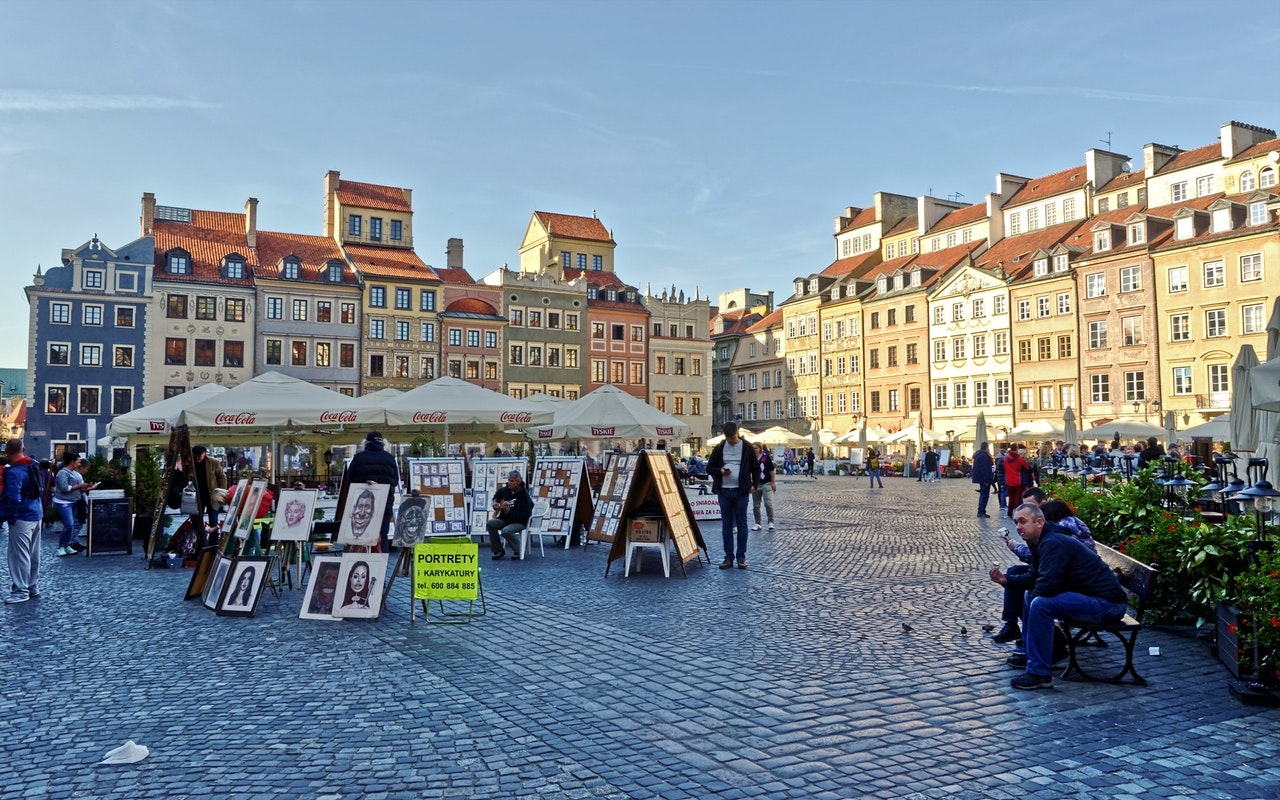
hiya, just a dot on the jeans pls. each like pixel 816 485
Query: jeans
pixel 733 512
pixel 1020 579
pixel 24 557
pixel 70 529
pixel 1070 605
pixel 984 494
pixel 874 475
pixel 763 494
pixel 498 530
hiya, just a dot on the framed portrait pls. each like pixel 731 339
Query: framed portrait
pixel 360 585
pixel 318 601
pixel 411 522
pixel 294 510
pixel 205 560
pixel 233 508
pixel 249 509
pixel 213 588
pixel 243 587
pixel 362 516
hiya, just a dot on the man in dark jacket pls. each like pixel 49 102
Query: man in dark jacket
pixel 374 464
pixel 1071 583
pixel 734 474
pixel 984 475
pixel 512 509
pixel 209 477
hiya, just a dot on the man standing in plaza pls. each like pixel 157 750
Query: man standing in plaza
pixel 374 464
pixel 983 475
pixel 1071 583
pixel 209 477
pixel 22 508
pixel 734 470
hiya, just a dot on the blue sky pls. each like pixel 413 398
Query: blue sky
pixel 717 140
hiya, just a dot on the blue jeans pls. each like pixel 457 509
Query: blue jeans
pixel 733 512
pixel 1070 605
pixel 70 530
pixel 874 476
pixel 984 494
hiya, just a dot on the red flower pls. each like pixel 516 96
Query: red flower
pixel 1275 623
pixel 1231 629
pixel 1275 574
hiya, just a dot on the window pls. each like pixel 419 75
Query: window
pixel 1182 380
pixel 940 395
pixel 1215 323
pixel 55 399
pixel 1214 274
pixel 1137 234
pixel 403 299
pixel 1064 346
pixel 1024 349
pixel 571 357
pixel 1122 200
pixel 1258 213
pixel 1177 279
pixel 1130 279
pixel 1024 309
pixel 957 312
pixel 597 263
pixel 874 358
pixel 1064 302
pixel 958 348
pixel 979 308
pixel 1251 319
pixel 979 345
pixel 940 350
pixel 473 338
pixel 377 366
pixel 428 331
pixel 348 311
pixel 570 322
pixel 298 353
pixel 397 230
pixel 893 400
pixel 1046 398
pixel 1068 394
pixel 1102 240
pixel 89 399
pixel 1251 267
pixel 677 366
pixel 206 353
pixel 292 269
pixel 1219 380
pixel 1068 209
pixel 122 355
pixel 377 329
pixel 378 296
pixel 91 355
pixel 913 356
pixel 875 321
pixel 517 354
pixel 1040 266
pixel 176 306
pixel 233 353
pixel 1204 186
pixel 999 305
pixel 910 316
pixel 1002 343
pixel 124 316
pixel 1097 334
pixel 1003 394
pixel 121 401
pixel 1131 330
pixel 375 230
pixel 275 308
pixel 1100 388
pixel 619 332
pixel 892 357
pixel 1178 192
pixel 939 315
pixel 92 315
pixel 980 393
pixel 402 330
pixel 175 351
pixel 334 273
pixel 274 349
pixel 179 264
pixel 1060 263
pixel 1104 205
pixel 93 278
pixel 347 356
pixel 353 225
pixel 1135 386
pixel 1248 182
pixel 597 330
pixel 582 264
pixel 1015 223
pixel 426 300
pixel 1096 284
pixel 324 354
pixel 1042 306
pixel 455 337
pixel 300 310
pixel 233 310
pixel 535 355
pixel 59 354
pixel 1180 328
pixel 637 333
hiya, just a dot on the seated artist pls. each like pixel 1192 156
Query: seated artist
pixel 512 508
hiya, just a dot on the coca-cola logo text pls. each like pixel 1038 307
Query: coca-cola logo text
pixel 337 416
pixel 243 418
pixel 515 416
pixel 602 431
pixel 429 417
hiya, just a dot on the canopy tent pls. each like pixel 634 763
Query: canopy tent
pixel 861 436
pixel 1126 428
pixel 463 408
pixel 1038 429
pixel 914 433
pixel 609 413
pixel 159 417
pixel 778 436
pixel 1217 429
pixel 742 433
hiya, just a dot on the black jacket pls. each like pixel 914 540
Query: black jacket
pixel 748 470
pixel 374 463
pixel 521 508
pixel 1063 564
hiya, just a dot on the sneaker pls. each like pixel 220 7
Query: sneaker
pixel 499 554
pixel 65 551
pixel 78 547
pixel 1017 660
pixel 984 514
pixel 16 598
pixel 726 564
pixel 755 527
pixel 742 565
pixel 1007 634
pixel 771 527
pixel 1028 681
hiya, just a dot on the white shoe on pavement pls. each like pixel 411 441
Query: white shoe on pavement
pixel 771 527
pixel 755 527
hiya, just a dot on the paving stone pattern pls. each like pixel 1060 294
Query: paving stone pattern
pixel 792 679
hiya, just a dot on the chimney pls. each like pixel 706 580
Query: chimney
pixel 1008 185
pixel 148 219
pixel 453 254
pixel 1102 166
pixel 1237 137
pixel 408 197
pixel 251 222
pixel 1155 156
pixel 332 181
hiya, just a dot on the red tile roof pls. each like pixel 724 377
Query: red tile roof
pixel 889 267
pixel 853 265
pixel 314 252
pixel 595 277
pixel 389 262
pixel 1121 181
pixel 471 305
pixel 208 238
pixel 454 275
pixel 1012 255
pixel 372 195
pixel 772 320
pixel 961 216
pixel 1191 158
pixel 861 216
pixel 1253 151
pixel 1038 189
pixel 567 226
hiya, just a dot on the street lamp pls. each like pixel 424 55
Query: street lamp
pixel 1263 495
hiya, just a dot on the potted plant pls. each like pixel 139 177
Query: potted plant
pixel 145 491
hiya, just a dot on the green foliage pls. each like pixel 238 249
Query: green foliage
pixel 1259 590
pixel 147 478
pixel 428 445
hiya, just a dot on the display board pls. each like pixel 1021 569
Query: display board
pixel 559 481
pixel 613 491
pixel 487 476
pixel 110 523
pixel 443 482
pixel 446 569
pixel 653 490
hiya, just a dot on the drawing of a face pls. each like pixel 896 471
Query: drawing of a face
pixel 362 514
pixel 294 511
pixel 246 580
pixel 359 578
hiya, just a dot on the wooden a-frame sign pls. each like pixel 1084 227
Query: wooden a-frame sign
pixel 653 482
pixel 178 449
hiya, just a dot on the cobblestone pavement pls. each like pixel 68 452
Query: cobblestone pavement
pixel 792 679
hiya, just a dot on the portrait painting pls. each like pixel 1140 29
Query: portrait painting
pixel 243 587
pixel 249 509
pixel 294 511
pixel 362 516
pixel 233 507
pixel 411 522
pixel 213 589
pixel 205 560
pixel 360 585
pixel 319 601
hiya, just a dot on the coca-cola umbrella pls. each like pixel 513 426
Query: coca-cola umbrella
pixel 152 423
pixel 276 400
pixel 458 406
pixel 610 413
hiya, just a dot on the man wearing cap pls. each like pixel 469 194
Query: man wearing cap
pixel 374 464
pixel 23 514
pixel 209 477
pixel 512 508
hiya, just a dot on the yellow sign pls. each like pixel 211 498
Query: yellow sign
pixel 446 569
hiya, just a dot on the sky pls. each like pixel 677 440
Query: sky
pixel 716 140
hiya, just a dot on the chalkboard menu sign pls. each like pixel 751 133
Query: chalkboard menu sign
pixel 110 529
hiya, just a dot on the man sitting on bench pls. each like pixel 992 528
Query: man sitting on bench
pixel 1071 583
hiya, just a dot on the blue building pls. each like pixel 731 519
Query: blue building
pixel 88 344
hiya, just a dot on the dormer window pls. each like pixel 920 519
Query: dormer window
pixel 1221 220
pixel 799 287
pixel 813 285
pixel 1248 182
pixel 882 284
pixel 899 281
pixel 233 267
pixel 1258 213
pixel 835 292
pixel 291 270
pixel 591 293
pixel 1137 234
pixel 334 273
pixel 1185 228
pixel 1040 266
pixel 179 263
pixel 1267 178
pixel 1102 240
pixel 612 295
pixel 1060 262
pixel 915 277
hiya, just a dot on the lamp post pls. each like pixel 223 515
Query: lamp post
pixel 1258 690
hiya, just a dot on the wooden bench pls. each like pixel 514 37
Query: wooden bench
pixel 1138 580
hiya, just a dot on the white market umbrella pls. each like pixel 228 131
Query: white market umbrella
pixel 610 413
pixel 1038 429
pixel 1244 418
pixel 778 436
pixel 743 433
pixel 276 400
pixel 1218 429
pixel 1126 428
pixel 457 406
pixel 914 434
pixel 1273 332
pixel 1069 432
pixel 1170 429
pixel 981 433
pixel 159 417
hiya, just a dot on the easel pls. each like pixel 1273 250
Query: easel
pixel 654 483
pixel 179 447
pixel 447 617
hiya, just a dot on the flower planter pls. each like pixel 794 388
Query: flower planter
pixel 1227 646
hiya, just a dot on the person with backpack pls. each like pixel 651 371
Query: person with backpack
pixel 21 508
